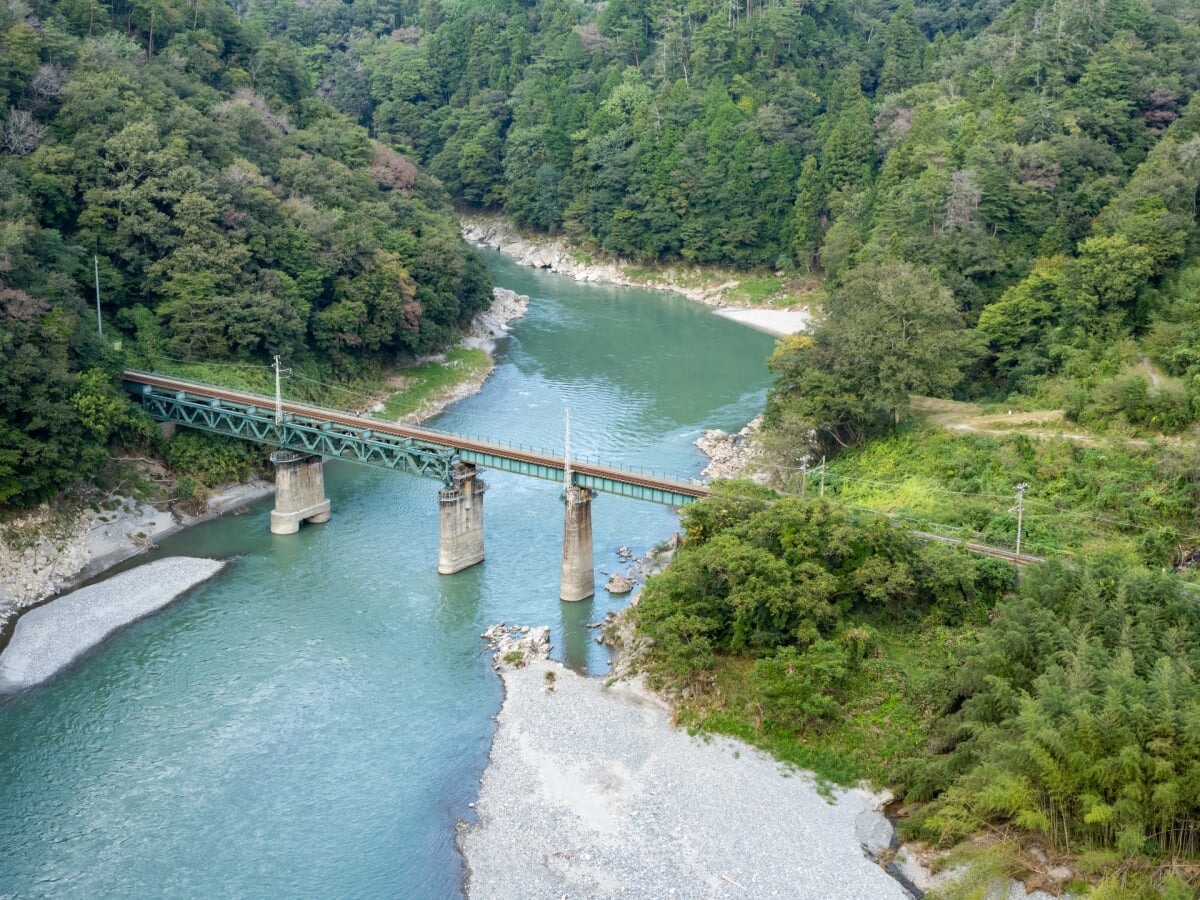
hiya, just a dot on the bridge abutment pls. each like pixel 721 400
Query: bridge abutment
pixel 299 491
pixel 578 572
pixel 460 512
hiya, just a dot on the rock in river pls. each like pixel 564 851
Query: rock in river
pixel 618 584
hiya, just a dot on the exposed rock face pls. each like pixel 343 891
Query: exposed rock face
pixel 45 550
pixel 554 254
pixel 40 551
pixel 874 832
pixel 494 322
pixel 618 584
pixel 733 455
pixel 517 645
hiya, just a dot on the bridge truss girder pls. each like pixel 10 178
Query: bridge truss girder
pixel 253 423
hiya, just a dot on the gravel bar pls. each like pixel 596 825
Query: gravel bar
pixel 590 792
pixel 49 638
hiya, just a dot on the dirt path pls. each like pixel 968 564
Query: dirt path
pixel 954 415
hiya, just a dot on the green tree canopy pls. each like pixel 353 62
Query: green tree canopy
pixel 888 331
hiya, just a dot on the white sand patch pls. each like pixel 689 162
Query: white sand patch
pixel 773 321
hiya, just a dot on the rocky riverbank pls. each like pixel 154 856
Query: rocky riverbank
pixel 47 551
pixel 733 455
pixel 559 257
pixel 556 255
pixel 591 792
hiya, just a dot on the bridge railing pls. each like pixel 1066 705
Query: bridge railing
pixel 311 427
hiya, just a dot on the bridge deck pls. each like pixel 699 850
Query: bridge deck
pixel 420 451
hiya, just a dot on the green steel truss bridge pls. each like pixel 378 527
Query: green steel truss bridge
pixel 417 451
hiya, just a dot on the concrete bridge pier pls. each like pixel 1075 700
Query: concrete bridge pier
pixel 460 542
pixel 578 572
pixel 299 491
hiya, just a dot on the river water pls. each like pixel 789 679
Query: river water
pixel 313 721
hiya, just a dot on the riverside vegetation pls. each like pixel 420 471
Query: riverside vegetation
pixel 993 201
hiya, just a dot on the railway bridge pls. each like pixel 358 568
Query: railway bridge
pixel 304 434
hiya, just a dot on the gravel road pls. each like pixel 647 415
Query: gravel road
pixel 591 793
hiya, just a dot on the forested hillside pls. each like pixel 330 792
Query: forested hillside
pixel 1038 161
pixel 269 177
pixel 972 136
pixel 232 213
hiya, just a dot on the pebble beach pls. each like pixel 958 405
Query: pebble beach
pixel 49 638
pixel 590 792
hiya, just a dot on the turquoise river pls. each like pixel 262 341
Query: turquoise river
pixel 314 721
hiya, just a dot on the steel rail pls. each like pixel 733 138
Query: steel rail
pixel 584 473
pixel 1017 559
pixel 474 450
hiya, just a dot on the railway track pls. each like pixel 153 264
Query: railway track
pixel 428 436
pixel 1017 559
pixel 415 433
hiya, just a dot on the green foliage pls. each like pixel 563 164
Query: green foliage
pixel 233 216
pixel 188 490
pixel 1065 710
pixel 246 222
pixel 797 687
pixel 211 459
pixel 1140 502
pixel 427 381
pixel 1074 716
pixel 759 575
pixel 888 331
pixel 58 400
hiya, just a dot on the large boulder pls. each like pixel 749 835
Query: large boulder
pixel 618 584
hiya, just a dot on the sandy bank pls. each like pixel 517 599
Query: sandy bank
pixel 555 255
pixel 591 793
pixel 778 322
pixel 49 638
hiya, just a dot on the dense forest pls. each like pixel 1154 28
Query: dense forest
pixel 1034 164
pixel 1018 179
pixel 985 199
pixel 1055 715
pixel 183 159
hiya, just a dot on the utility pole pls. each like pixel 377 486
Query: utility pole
pixel 567 454
pixel 278 391
pixel 822 476
pixel 1021 489
pixel 96 267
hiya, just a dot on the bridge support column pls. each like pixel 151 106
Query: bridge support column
pixel 299 491
pixel 460 542
pixel 578 572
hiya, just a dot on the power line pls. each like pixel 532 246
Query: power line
pixel 199 362
pixel 833 476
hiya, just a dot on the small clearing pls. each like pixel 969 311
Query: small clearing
pixel 954 415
